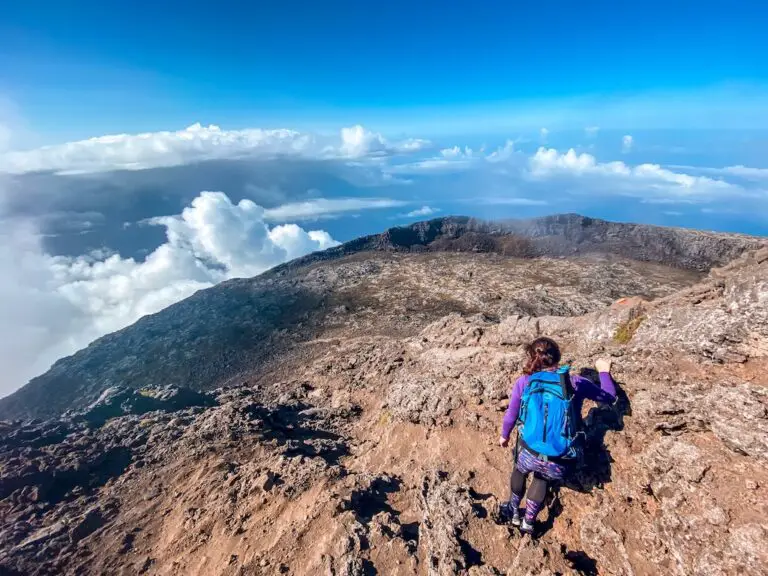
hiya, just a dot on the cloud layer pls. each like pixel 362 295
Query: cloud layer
pixel 570 175
pixel 53 305
pixel 195 143
pixel 327 208
pixel 649 182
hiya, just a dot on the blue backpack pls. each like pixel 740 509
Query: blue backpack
pixel 548 422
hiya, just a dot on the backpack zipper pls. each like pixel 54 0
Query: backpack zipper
pixel 544 427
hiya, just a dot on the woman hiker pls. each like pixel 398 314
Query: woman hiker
pixel 546 401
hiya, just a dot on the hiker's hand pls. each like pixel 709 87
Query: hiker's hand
pixel 503 442
pixel 603 365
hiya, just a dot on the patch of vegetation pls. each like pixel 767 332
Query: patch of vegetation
pixel 626 330
pixel 385 418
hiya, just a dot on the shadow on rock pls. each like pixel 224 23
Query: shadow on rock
pixel 554 509
pixel 90 474
pixel 371 498
pixel 298 428
pixel 120 401
pixel 580 561
pixel 594 467
pixel 65 470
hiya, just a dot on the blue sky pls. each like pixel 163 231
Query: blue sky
pixel 152 149
pixel 80 68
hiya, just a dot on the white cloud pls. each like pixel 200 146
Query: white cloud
pixel 53 305
pixel 744 172
pixel 548 160
pixel 508 170
pixel 325 207
pixel 423 211
pixel 196 143
pixel 502 153
pixel 457 152
pixel 455 159
pixel 627 142
pixel 356 141
pixel 543 133
pixel 410 145
pixel 650 182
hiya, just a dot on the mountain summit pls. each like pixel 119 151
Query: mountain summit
pixel 339 414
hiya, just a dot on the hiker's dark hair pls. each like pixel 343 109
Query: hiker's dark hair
pixel 542 353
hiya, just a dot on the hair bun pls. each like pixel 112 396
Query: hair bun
pixel 542 353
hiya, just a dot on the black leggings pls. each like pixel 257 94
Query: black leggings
pixel 536 493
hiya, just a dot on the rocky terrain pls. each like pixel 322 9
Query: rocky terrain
pixel 349 424
pixel 412 276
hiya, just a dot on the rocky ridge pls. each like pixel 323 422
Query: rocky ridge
pixel 212 337
pixel 370 448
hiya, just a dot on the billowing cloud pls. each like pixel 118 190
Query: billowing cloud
pixel 196 143
pixel 53 305
pixel 627 142
pixel 357 141
pixel 548 160
pixel 456 152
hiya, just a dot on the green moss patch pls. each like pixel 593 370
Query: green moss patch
pixel 626 330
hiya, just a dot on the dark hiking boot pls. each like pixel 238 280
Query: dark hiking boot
pixel 507 514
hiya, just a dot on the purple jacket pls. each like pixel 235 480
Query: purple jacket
pixel 582 387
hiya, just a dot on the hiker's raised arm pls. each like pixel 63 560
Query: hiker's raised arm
pixel 606 392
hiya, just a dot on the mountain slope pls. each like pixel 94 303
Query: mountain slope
pixel 370 448
pixel 219 334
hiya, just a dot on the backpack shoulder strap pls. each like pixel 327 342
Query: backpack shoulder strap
pixel 565 383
